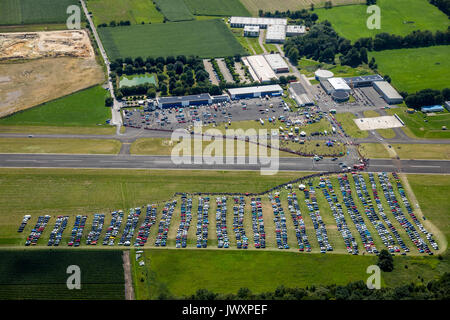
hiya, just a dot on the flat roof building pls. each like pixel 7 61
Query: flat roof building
pixel 259 68
pixel 276 33
pixel 447 105
pixel 339 84
pixel 389 94
pixel 241 22
pixel 294 30
pixel 184 101
pixel 251 31
pixel 436 108
pixel 363 81
pixel 323 74
pixel 277 62
pixel 258 91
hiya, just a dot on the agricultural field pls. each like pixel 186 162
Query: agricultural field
pixel 135 11
pixel 34 11
pixel 203 38
pixel 50 145
pixel 283 5
pixel 217 8
pixel 42 274
pixel 408 151
pixel 84 109
pixel 422 126
pixel 415 69
pixel 174 10
pixel 397 17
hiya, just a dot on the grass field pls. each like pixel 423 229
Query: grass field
pixel 34 11
pixel 419 125
pixel 135 11
pixel 308 67
pixel 174 10
pixel 350 127
pixel 217 7
pixel 41 274
pixel 283 5
pixel 84 108
pixel 250 44
pixel 32 27
pixel 44 145
pixel 408 151
pixel 415 69
pixel 385 133
pixel 204 38
pixel 105 130
pixel 397 17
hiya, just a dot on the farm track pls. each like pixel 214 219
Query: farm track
pixel 129 292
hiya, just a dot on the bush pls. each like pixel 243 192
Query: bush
pixel 385 261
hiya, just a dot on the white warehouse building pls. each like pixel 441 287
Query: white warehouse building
pixel 252 92
pixel 251 31
pixel 339 84
pixel 277 62
pixel 276 33
pixel 241 22
pixel 295 30
pixel 259 68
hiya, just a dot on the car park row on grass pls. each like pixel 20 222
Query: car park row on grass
pixel 366 215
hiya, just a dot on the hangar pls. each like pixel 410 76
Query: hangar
pixel 241 22
pixel 259 68
pixel 300 95
pixel 277 63
pixel 258 91
pixel 389 94
pixel 184 101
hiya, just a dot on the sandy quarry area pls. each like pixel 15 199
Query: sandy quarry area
pixel 32 45
pixel 383 122
pixel 36 67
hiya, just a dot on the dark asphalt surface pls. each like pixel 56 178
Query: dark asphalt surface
pixel 165 162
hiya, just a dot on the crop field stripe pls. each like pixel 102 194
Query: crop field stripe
pixel 174 10
pixel 217 7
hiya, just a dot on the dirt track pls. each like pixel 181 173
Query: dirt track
pixel 129 292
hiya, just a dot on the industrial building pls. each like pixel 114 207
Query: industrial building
pixel 276 33
pixel 339 84
pixel 241 22
pixel 447 105
pixel 323 74
pixel 184 101
pixel 300 95
pixel 294 30
pixel 340 95
pixel 220 98
pixel 259 68
pixel 436 108
pixel 277 63
pixel 251 31
pixel 252 92
pixel 389 94
pixel 363 81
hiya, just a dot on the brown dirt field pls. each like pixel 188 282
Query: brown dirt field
pixel 26 84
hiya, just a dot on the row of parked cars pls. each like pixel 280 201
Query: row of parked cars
pixel 36 232
pixel 185 222
pixel 113 229
pixel 96 229
pixel 299 223
pixel 144 229
pixel 319 225
pixel 384 216
pixel 130 225
pixel 221 223
pixel 259 234
pixel 355 215
pixel 408 207
pixel 202 222
pixel 77 231
pixel 57 231
pixel 369 209
pixel 397 211
pixel 24 222
pixel 238 223
pixel 280 221
pixel 338 215
pixel 164 223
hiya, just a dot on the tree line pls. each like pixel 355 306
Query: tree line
pixel 443 5
pixel 426 97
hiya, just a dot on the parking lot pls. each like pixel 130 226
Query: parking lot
pixel 351 213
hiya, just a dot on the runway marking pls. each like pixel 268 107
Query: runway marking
pixel 425 166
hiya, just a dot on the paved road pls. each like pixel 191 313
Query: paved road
pixel 164 162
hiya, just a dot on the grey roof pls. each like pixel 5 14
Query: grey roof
pixel 387 90
pixel 247 90
pixel 179 99
pixel 371 78
pixel 298 88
